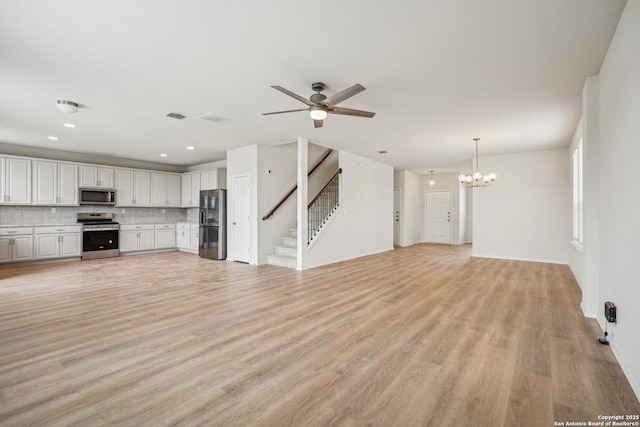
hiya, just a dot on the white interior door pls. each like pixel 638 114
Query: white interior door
pixel 396 216
pixel 241 216
pixel 438 217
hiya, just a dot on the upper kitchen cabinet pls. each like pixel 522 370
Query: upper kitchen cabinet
pixel 165 189
pixel 190 190
pixel 55 183
pixel 213 179
pixel 193 182
pixel 132 187
pixel 96 176
pixel 15 180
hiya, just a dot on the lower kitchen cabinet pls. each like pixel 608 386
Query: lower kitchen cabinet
pixel 58 242
pixel 187 237
pixel 136 237
pixel 16 244
pixel 165 236
pixel 194 242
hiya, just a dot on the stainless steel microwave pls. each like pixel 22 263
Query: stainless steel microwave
pixel 97 196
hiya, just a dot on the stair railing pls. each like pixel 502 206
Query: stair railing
pixel 293 190
pixel 323 206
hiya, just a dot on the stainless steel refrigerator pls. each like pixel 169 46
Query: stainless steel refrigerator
pixel 213 224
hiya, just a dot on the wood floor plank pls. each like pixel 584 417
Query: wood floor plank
pixel 424 335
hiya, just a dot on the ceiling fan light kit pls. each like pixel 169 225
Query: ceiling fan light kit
pixel 477 179
pixel 317 113
pixel 67 106
pixel 318 105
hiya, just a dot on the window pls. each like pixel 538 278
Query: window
pixel 578 201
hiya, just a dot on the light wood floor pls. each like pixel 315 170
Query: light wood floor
pixel 424 335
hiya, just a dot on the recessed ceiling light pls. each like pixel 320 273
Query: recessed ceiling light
pixel 54 138
pixel 163 155
pixel 69 125
pixel 191 148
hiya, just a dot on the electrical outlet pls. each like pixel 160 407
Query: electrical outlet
pixel 123 209
pixel 53 210
pixel 164 211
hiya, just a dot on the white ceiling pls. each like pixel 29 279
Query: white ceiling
pixel 437 73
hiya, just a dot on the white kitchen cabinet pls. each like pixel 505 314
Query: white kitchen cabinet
pixel 190 190
pixel 55 183
pixel 15 180
pixel 165 236
pixel 187 237
pixel 209 179
pixel 96 176
pixel 16 244
pixel 58 242
pixel 213 179
pixel 132 187
pixel 194 238
pixel 165 189
pixel 183 235
pixel 136 237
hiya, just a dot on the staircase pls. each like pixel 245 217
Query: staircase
pixel 319 211
pixel 286 253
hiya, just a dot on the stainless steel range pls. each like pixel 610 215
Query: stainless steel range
pixel 100 235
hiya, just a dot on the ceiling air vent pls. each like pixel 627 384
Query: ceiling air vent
pixel 211 118
pixel 175 116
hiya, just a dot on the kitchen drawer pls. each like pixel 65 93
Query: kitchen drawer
pixel 58 230
pixel 136 227
pixel 16 231
pixel 165 226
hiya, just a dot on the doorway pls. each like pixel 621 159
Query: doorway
pixel 396 216
pixel 438 217
pixel 241 185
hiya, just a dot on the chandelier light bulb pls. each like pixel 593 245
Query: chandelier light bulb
pixel 477 179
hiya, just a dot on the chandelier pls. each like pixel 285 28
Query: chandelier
pixel 477 179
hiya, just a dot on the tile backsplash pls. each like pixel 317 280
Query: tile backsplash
pixel 37 215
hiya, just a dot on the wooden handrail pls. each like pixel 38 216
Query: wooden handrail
pixel 293 190
pixel 323 188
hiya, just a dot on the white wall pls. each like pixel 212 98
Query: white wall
pixel 619 227
pixel 526 214
pixel 363 225
pixel 469 216
pixel 410 187
pixel 243 161
pixel 276 170
pixel 576 259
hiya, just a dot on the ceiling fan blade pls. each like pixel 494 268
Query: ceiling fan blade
pixel 318 123
pixel 351 112
pixel 293 95
pixel 345 94
pixel 288 111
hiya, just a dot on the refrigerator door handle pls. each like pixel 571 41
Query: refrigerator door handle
pixel 202 217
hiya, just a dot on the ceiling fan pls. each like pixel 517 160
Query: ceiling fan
pixel 319 105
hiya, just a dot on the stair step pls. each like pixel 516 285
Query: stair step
pixel 289 241
pixel 281 261
pixel 293 232
pixel 291 251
